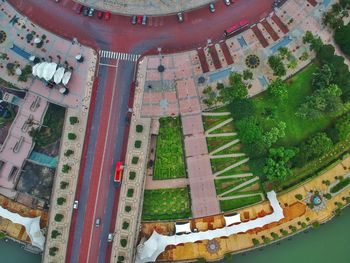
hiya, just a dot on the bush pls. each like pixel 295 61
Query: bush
pixel 135 160
pixel 342 38
pixel 130 192
pixel 127 208
pixel 55 233
pixel 275 236
pixel 123 242
pixel 299 196
pixel 255 242
pixel 328 196
pixel 316 224
pixel 139 128
pixel 52 251
pixel 65 168
pixel 132 175
pixel 73 120
pixel 125 225
pixel 58 217
pixel 61 200
pixel 138 144
pixel 71 136
pixel 120 259
pixel 339 186
pixel 266 240
pixel 68 153
pixel 303 224
pixel 64 185
pixel 284 232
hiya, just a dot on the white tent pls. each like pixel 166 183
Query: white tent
pixel 181 228
pixel 156 244
pixel 57 78
pixel 49 71
pixel 34 69
pixel 66 77
pixel 40 69
pixel 230 220
pixel 32 226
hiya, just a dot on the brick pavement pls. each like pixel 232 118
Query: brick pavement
pixel 144 7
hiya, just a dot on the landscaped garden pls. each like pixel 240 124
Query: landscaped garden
pixel 166 204
pixel 169 162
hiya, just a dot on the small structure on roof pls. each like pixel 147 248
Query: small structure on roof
pixel 232 219
pixel 182 228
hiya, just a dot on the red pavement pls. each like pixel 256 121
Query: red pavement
pixel 203 60
pixel 280 24
pixel 260 36
pixel 270 30
pixel 214 55
pixel 226 53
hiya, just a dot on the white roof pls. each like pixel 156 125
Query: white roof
pixel 32 226
pixel 40 69
pixel 49 71
pixel 230 220
pixel 183 228
pixel 66 77
pixel 34 69
pixel 156 244
pixel 57 78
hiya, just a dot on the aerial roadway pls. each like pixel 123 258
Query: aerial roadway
pixel 105 139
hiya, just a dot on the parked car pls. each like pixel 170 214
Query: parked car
pixel 86 11
pixel 76 204
pixel 144 20
pixel 227 2
pixel 134 20
pixel 100 14
pixel 110 237
pixel 107 15
pixel 98 222
pixel 91 12
pixel 211 7
pixel 180 17
pixel 79 8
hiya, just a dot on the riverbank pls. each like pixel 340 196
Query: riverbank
pixel 13 252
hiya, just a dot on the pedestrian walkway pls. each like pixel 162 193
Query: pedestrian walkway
pixel 119 55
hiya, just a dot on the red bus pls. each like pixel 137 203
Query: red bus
pixel 118 172
pixel 233 29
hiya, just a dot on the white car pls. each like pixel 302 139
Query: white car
pixel 110 237
pixel 227 2
pixel 76 204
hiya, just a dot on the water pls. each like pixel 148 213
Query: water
pixel 20 51
pixel 284 42
pixel 329 243
pixel 11 252
pixel 242 41
pixel 43 159
pixel 220 75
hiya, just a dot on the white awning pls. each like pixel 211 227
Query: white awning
pixel 34 69
pixel 32 226
pixel 57 78
pixel 156 244
pixel 66 77
pixel 230 220
pixel 49 71
pixel 181 228
pixel 40 69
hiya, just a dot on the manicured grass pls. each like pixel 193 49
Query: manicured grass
pixel 342 184
pixel 211 121
pixel 297 129
pixel 222 163
pixel 166 204
pixel 227 205
pixel 228 127
pixel 216 142
pixel 169 161
pixel 227 184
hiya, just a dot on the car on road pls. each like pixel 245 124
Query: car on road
pixel 107 15
pixel 86 11
pixel 211 8
pixel 227 2
pixel 110 237
pixel 180 17
pixel 134 20
pixel 144 20
pixel 79 8
pixel 100 14
pixel 76 204
pixel 98 222
pixel 91 12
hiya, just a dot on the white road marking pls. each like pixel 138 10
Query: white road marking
pixel 119 55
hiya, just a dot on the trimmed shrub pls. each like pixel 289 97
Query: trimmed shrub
pixel 64 185
pixel 123 242
pixel 339 186
pixel 275 236
pixel 125 225
pixel 65 168
pixel 316 224
pixel 127 208
pixel 139 128
pixel 132 175
pixel 71 136
pixel 130 192
pixel 52 251
pixel 61 200
pixel 68 153
pixel 255 242
pixel 138 144
pixel 135 160
pixel 58 217
pixel 299 196
pixel 73 120
pixel 120 259
pixel 55 233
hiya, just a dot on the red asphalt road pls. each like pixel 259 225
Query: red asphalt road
pixel 119 35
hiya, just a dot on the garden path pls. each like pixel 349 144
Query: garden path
pixel 233 176
pixel 164 184
pixel 240 196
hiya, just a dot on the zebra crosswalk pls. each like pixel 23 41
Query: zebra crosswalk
pixel 119 55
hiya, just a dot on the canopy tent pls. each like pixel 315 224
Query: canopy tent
pixel 40 69
pixel 156 244
pixel 233 219
pixel 32 226
pixel 181 228
pixel 34 69
pixel 57 78
pixel 49 71
pixel 66 77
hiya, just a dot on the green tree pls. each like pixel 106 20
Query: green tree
pixel 278 89
pixel 65 168
pixel 277 166
pixel 274 134
pixel 276 64
pixel 210 96
pixel 236 91
pixel 322 78
pixel 72 136
pixel 242 109
pixel 61 200
pixel 249 130
pixel 342 38
pixel 315 42
pixel 58 217
pixel 247 74
pixel 73 120
pixel 342 127
pixel 55 234
pixel 68 153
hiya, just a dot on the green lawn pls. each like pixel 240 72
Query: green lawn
pixel 166 204
pixel 169 161
pixel 216 142
pixel 228 205
pixel 297 129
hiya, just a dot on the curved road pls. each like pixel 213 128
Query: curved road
pixel 106 126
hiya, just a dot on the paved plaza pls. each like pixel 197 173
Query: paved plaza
pixel 144 7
